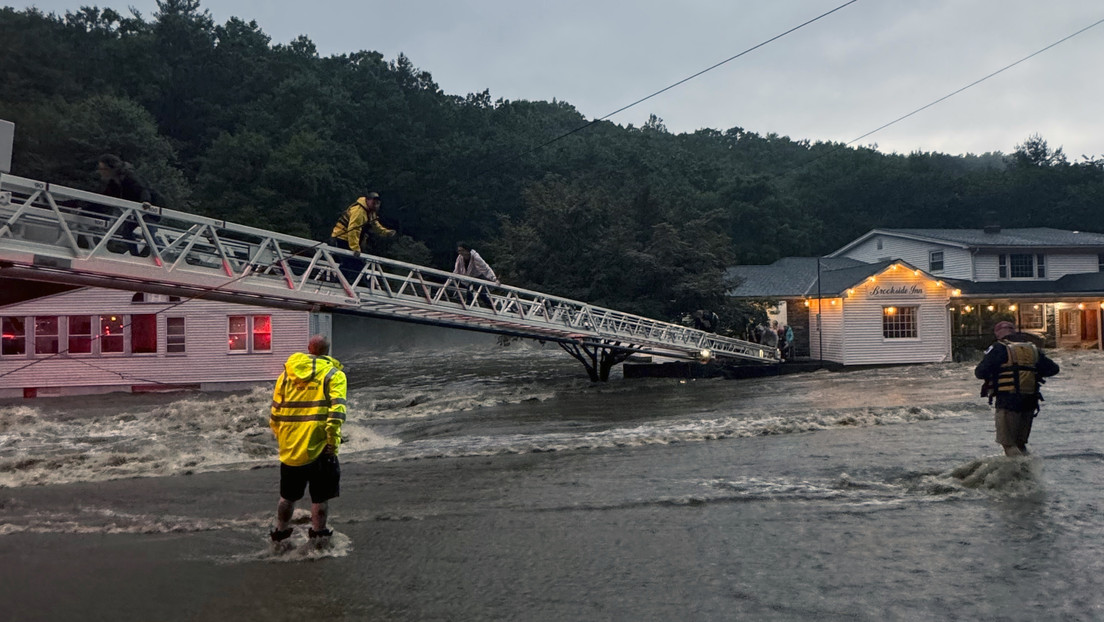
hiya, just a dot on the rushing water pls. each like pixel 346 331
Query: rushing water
pixel 484 481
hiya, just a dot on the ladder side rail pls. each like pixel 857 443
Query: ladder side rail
pixel 22 209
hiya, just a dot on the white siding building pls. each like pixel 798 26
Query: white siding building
pixel 949 287
pixel 93 340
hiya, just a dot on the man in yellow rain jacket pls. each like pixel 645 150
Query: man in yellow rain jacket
pixel 357 220
pixel 308 408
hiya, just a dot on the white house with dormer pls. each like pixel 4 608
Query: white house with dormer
pixel 1050 282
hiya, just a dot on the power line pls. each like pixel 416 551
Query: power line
pixel 978 81
pixel 691 77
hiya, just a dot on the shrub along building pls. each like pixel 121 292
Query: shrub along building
pixel 59 340
pixel 919 295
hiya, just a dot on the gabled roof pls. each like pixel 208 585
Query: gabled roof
pixel 789 277
pixel 1039 237
pixel 796 277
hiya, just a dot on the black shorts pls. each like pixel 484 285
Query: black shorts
pixel 323 475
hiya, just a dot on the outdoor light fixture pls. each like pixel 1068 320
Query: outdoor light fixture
pixel 957 292
pixel 1080 305
pixel 991 308
pixel 1011 307
pixel 705 355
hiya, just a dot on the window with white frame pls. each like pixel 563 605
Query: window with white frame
pixel 46 334
pixel 80 334
pixel 899 322
pixel 935 261
pixel 174 335
pixel 1032 317
pixel 250 333
pixel 143 333
pixel 14 330
pixel 1022 266
pixel 112 334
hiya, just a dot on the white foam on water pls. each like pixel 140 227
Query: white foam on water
pixel 663 432
pixel 186 435
pixel 1001 475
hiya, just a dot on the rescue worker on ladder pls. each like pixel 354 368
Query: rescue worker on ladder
pixel 1013 368
pixel 308 408
pixel 353 228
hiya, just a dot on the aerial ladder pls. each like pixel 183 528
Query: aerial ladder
pixel 64 235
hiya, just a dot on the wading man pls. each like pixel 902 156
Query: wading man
pixel 308 408
pixel 1013 368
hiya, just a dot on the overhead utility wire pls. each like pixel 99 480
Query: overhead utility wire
pixel 978 81
pixel 534 149
pixel 688 78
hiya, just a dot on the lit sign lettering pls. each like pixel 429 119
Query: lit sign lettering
pixel 896 291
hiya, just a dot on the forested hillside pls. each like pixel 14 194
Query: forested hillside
pixel 226 123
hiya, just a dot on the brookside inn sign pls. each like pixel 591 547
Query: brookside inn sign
pixel 896 291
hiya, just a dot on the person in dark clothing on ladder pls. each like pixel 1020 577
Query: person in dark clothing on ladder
pixel 120 181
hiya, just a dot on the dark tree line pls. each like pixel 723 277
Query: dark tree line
pixel 226 123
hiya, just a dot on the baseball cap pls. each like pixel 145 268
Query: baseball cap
pixel 1004 326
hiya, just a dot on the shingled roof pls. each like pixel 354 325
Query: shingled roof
pixel 796 277
pixel 1038 237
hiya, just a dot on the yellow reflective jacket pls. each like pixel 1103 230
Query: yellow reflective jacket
pixel 355 223
pixel 308 407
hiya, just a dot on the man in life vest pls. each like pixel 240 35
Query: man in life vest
pixel 1013 368
pixel 357 221
pixel 308 408
pixel 353 229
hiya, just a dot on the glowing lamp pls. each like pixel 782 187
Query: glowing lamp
pixel 991 308
pixel 1011 307
pixel 705 354
pixel 1080 305
pixel 957 292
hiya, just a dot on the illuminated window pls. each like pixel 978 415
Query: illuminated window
pixel 143 334
pixel 239 333
pixel 174 335
pixel 112 339
pixel 899 322
pixel 262 333
pixel 46 334
pixel 14 336
pixel 250 333
pixel 1032 317
pixel 80 334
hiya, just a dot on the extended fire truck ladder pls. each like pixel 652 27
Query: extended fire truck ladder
pixel 58 234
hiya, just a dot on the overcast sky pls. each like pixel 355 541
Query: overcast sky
pixel 835 79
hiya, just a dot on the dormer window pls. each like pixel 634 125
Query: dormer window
pixel 1022 266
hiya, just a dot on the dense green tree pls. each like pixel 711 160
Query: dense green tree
pixel 226 123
